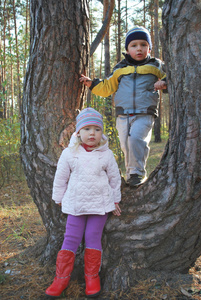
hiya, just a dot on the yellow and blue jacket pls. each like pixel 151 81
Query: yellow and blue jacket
pixel 133 85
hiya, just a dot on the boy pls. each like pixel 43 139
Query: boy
pixel 135 82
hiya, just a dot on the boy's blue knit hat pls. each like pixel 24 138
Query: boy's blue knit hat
pixel 138 33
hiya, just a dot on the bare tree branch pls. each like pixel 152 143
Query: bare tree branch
pixel 100 35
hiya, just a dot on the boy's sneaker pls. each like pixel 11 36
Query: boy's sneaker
pixel 136 180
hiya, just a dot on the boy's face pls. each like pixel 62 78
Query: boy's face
pixel 138 49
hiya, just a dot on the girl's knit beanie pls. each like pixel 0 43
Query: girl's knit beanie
pixel 138 33
pixel 88 116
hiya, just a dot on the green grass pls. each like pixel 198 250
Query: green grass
pixel 156 152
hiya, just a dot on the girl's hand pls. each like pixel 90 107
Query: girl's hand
pixel 160 85
pixel 59 204
pixel 117 211
pixel 86 80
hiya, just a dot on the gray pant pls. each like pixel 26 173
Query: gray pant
pixel 136 145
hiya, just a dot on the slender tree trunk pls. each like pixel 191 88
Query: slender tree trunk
pixel 116 35
pixel 101 60
pixel 26 37
pixel 126 16
pixel 157 124
pixel 1 73
pixel 18 60
pixel 4 64
pixel 107 42
pixel 156 30
pixel 119 31
pixel 152 34
pixel 108 100
pixel 11 72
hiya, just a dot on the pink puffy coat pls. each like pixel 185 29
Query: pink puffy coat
pixel 87 182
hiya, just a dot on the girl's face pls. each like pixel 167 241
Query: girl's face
pixel 90 135
pixel 138 49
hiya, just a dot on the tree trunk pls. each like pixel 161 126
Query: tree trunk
pixel 126 7
pixel 52 95
pixel 18 60
pixel 119 31
pixel 101 61
pixel 157 124
pixel 26 37
pixel 144 14
pixel 4 91
pixel 11 72
pixel 104 28
pixel 108 100
pixel 107 42
pixel 1 80
pixel 160 225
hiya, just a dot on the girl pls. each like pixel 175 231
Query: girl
pixel 87 186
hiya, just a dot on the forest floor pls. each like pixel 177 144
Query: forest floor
pixel 23 277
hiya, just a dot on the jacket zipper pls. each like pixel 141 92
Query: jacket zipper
pixel 134 87
pixel 134 91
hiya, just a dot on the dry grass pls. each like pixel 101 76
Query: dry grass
pixel 22 277
pixel 20 223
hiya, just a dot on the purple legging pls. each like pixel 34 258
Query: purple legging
pixel 92 225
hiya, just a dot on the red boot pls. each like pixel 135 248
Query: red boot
pixel 64 268
pixel 92 260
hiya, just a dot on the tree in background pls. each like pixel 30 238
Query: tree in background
pixel 13 54
pixel 14 47
pixel 157 123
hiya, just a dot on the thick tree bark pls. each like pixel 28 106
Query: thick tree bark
pixel 160 225
pixel 52 95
